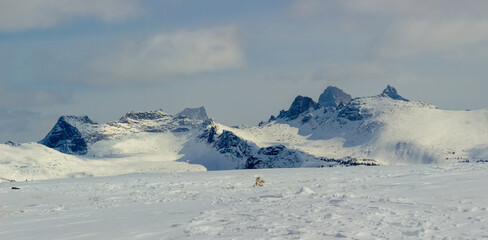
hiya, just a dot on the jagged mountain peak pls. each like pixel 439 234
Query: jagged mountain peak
pixel 194 113
pixel 76 119
pixel 149 115
pixel 73 135
pixel 392 93
pixel 334 97
pixel 65 136
pixel 300 104
pixel 363 130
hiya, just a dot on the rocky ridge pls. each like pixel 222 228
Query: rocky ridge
pixel 337 130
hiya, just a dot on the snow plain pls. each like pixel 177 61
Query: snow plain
pixel 448 201
pixel 33 161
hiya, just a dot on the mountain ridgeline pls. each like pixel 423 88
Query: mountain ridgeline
pixel 385 129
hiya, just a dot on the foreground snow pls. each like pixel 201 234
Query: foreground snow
pixel 393 202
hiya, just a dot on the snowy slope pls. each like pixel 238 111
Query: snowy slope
pixel 386 128
pixel 447 201
pixel 32 161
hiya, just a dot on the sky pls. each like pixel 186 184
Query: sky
pixel 242 60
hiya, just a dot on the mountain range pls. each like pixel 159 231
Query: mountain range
pixel 338 130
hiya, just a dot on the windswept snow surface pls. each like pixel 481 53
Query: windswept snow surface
pixel 33 161
pixel 446 201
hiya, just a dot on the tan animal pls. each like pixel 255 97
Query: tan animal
pixel 259 182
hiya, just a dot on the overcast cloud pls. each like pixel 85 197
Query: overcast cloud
pixel 166 55
pixel 23 15
pixel 415 27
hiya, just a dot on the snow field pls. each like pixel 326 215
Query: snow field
pixel 34 161
pixel 447 201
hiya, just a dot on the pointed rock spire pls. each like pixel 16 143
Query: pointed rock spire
pixel 392 93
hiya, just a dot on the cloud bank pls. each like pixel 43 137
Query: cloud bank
pixel 20 15
pixel 167 55
pixel 409 28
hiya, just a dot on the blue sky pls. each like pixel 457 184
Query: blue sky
pixel 242 60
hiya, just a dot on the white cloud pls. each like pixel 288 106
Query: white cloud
pixel 426 27
pixel 166 55
pixel 408 28
pixel 19 15
pixel 433 9
pixel 414 38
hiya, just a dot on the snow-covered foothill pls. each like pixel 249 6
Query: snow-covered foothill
pixel 33 161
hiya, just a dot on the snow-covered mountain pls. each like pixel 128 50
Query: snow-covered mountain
pixel 189 136
pixel 143 142
pixel 386 129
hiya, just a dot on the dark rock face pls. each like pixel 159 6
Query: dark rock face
pixel 228 142
pixel 194 113
pixel 392 93
pixel 334 97
pixel 66 138
pixel 300 104
pixel 261 159
pixel 247 155
pixel 351 112
pixel 209 135
pixel 11 143
pixel 73 135
pixel 143 116
pixel 274 157
pixel 350 161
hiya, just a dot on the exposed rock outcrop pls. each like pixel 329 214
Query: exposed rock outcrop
pixel 334 97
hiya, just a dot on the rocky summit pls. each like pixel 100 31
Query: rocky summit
pixel 299 105
pixel 194 113
pixel 65 136
pixel 334 97
pixel 392 93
